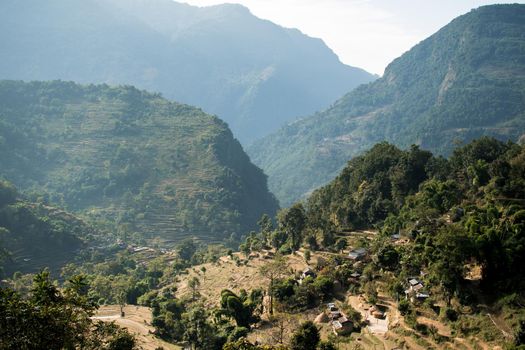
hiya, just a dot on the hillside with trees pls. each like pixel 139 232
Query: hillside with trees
pixel 463 82
pixel 436 242
pixel 34 235
pixel 250 72
pixel 402 249
pixel 142 165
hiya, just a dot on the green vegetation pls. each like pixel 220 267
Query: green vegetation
pixel 35 235
pixel 49 318
pixel 142 165
pixel 306 337
pixel 456 226
pixel 461 83
pixel 466 209
pixel 437 221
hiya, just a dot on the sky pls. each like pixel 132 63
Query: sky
pixel 367 34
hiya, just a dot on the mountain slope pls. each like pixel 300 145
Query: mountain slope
pixel 149 165
pixel 465 81
pixel 252 73
pixel 35 235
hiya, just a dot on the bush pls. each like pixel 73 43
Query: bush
pixel 238 333
pixel 307 255
pixel 451 314
pixel 403 307
pixel 411 320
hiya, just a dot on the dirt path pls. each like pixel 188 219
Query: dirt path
pixel 137 320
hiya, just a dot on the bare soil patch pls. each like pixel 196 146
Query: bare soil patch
pixel 137 320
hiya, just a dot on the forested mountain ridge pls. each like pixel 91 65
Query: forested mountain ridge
pixel 150 166
pixel 468 208
pixel 253 74
pixel 465 81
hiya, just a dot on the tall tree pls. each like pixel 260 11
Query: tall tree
pixel 293 221
pixel 306 337
pixel 273 270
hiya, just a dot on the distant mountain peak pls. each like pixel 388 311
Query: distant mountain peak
pixel 197 55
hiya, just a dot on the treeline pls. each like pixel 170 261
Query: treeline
pixel 470 207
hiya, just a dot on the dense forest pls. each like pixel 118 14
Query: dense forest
pixel 469 207
pixel 461 83
pixel 130 159
pixel 457 224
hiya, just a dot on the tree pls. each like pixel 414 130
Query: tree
pixel 198 331
pixel 388 257
pixel 272 270
pixel 109 336
pixel 55 319
pixel 341 244
pixel 186 249
pixel 307 255
pixel 266 228
pixel 282 324
pixel 293 221
pixel 241 308
pixel 324 345
pixel 306 337
pixel 519 336
pixel 194 285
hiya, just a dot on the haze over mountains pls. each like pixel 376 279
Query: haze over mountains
pixel 465 81
pixel 131 158
pixel 253 74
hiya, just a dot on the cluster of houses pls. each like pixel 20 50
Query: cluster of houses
pixel 415 291
pixel 341 325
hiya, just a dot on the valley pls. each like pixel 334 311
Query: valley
pixel 392 218
pixel 444 92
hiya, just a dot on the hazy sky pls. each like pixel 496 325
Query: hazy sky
pixel 363 33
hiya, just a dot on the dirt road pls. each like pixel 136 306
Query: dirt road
pixel 137 320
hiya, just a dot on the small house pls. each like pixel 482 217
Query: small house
pixel 342 326
pixel 335 315
pixel 357 254
pixel 331 307
pixel 308 272
pixel 415 290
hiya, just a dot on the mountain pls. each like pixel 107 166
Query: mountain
pixel 252 73
pixel 465 81
pixel 36 235
pixel 133 159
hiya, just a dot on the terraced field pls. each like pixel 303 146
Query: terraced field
pixel 132 159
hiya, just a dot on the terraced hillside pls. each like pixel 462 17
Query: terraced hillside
pixel 149 165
